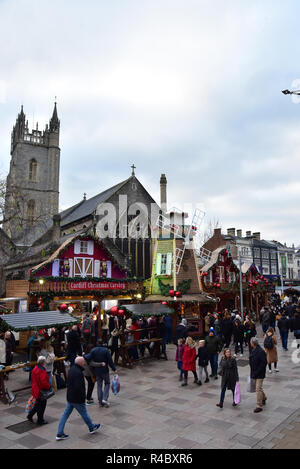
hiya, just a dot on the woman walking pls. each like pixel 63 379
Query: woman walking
pixel 229 372
pixel 249 331
pixel 47 351
pixel 40 382
pixel 189 360
pixel 238 336
pixel 270 342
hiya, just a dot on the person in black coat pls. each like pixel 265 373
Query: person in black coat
pixel 238 336
pixel 203 361
pixel 181 331
pixel 230 376
pixel 76 399
pixel 295 327
pixel 74 345
pixel 227 326
pixel 283 325
pixel 258 365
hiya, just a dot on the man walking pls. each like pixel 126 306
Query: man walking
pixel 283 325
pixel 100 359
pixel 258 365
pixel 214 347
pixel 76 399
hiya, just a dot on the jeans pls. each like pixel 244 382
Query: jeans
pixel 213 359
pixel 223 392
pixel 284 338
pixel 236 345
pixel 201 368
pixel 179 366
pixel 90 388
pixel 103 394
pixel 81 409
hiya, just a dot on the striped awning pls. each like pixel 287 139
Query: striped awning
pixel 37 320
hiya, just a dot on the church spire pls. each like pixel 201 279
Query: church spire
pixel 54 122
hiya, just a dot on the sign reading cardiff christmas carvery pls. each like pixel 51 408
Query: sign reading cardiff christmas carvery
pixel 97 286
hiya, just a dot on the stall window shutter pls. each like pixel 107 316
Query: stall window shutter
pixel 77 247
pixel 55 268
pixel 97 269
pixel 71 267
pixel 158 264
pixel 169 263
pixel 90 248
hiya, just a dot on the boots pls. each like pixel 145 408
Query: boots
pixel 220 405
pixel 184 383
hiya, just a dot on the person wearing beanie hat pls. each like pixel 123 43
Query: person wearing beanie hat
pixel 214 347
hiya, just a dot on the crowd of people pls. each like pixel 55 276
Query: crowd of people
pixel 224 329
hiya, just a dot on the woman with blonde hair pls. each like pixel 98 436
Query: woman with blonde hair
pixel 189 360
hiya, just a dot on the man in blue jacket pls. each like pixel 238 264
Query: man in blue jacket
pixel 258 365
pixel 99 359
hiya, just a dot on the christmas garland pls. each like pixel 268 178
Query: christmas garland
pixel 183 287
pixel 90 279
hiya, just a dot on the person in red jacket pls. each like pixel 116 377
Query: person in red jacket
pixel 40 382
pixel 189 360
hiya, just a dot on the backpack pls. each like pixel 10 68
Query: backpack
pixel 268 343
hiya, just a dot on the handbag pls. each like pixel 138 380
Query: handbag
pixel 237 393
pixel 45 395
pixel 251 385
pixel 30 404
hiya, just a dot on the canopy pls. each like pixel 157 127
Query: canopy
pixel 149 309
pixel 37 320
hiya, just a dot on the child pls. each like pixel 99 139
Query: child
pixel 203 360
pixel 178 358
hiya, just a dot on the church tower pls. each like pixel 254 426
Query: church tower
pixel 32 189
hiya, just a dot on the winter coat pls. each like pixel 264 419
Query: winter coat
pixel 88 327
pixel 180 333
pixel 272 356
pixel 203 356
pixel 213 344
pixel 179 352
pixel 238 333
pixel 207 323
pixel 76 385
pixel 229 372
pixel 249 331
pixel 295 326
pixel 40 381
pixel 189 358
pixel 283 324
pixel 227 326
pixel 258 363
pixel 100 355
pixel 74 345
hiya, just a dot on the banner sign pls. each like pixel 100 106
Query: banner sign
pixel 97 286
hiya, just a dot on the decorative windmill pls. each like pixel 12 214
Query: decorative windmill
pixel 164 223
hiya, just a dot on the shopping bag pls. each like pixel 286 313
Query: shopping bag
pixel 251 385
pixel 30 404
pixel 115 385
pixel 237 393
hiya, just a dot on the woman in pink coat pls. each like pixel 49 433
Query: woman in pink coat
pixel 189 360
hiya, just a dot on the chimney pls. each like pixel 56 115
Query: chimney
pixel 231 231
pixel 163 193
pixel 56 229
pixel 217 232
pixel 248 234
pixel 239 233
pixel 256 236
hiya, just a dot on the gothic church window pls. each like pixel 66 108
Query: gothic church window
pixel 33 170
pixel 30 212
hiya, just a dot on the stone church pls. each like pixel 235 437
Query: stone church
pixel 35 226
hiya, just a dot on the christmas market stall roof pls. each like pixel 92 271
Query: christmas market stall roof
pixel 192 298
pixel 37 320
pixel 150 309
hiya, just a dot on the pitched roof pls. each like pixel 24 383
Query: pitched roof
pixel 37 320
pixel 85 208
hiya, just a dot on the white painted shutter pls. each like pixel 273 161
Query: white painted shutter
pixel 97 269
pixel 90 248
pixel 71 268
pixel 169 263
pixel 77 247
pixel 108 269
pixel 158 264
pixel 55 268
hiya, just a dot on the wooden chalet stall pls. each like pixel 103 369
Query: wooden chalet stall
pixel 26 323
pixel 82 274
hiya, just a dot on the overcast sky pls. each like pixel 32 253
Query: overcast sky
pixel 189 88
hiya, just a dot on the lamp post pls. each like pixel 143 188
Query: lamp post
pixel 241 283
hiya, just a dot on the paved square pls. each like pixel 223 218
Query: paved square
pixel 153 411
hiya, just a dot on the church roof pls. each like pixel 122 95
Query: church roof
pixel 85 208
